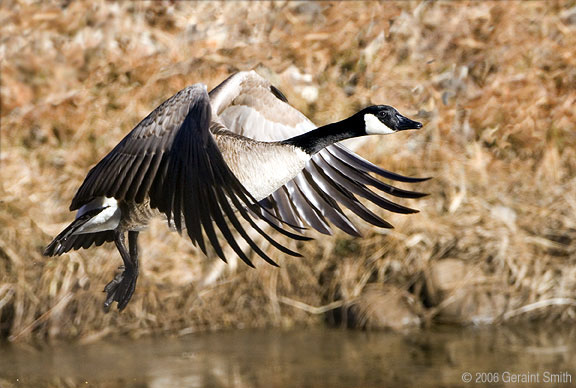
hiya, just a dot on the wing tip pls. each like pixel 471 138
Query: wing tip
pixel 51 250
pixel 417 194
pixel 278 94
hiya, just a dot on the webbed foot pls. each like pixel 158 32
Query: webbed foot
pixel 121 289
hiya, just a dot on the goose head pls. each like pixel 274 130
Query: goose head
pixel 384 120
pixel 374 120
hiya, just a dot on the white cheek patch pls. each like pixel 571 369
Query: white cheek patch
pixel 375 126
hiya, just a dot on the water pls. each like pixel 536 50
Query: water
pixel 305 357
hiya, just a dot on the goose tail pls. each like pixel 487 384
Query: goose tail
pixel 70 239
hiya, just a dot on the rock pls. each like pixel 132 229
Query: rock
pixel 461 293
pixel 383 307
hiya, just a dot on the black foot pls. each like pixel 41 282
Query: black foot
pixel 120 289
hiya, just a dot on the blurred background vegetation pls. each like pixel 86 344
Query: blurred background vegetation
pixel 494 83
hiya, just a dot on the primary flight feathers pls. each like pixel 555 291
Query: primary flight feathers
pixel 205 161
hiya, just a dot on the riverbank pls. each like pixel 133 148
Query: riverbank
pixel 494 85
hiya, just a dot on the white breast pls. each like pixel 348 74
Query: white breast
pixel 264 167
pixel 274 171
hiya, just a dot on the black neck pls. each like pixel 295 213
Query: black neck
pixel 320 138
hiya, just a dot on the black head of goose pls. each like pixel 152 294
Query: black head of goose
pixel 374 120
pixel 203 162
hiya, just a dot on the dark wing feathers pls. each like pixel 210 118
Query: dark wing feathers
pixel 364 178
pixel 113 175
pixel 285 207
pixel 322 203
pixel 337 175
pixel 358 162
pixel 305 209
pixel 172 157
pixel 244 102
pixel 345 197
pixel 359 189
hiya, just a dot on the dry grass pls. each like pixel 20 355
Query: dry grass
pixel 494 83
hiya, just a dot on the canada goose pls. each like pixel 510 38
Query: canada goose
pixel 201 159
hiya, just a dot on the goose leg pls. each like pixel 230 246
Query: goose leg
pixel 121 288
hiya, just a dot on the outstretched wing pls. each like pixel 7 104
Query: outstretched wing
pixel 249 105
pixel 172 158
